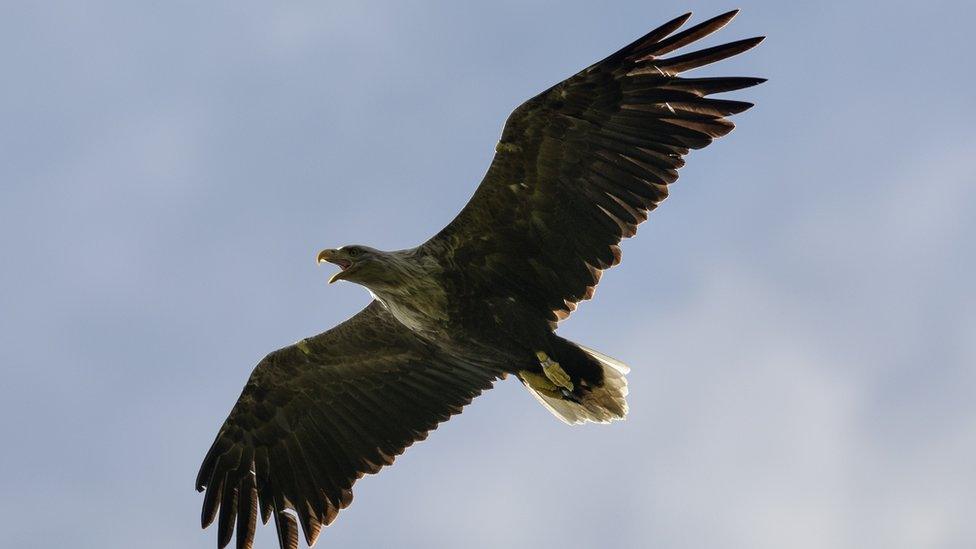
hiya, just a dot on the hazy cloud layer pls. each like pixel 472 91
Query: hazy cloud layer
pixel 800 315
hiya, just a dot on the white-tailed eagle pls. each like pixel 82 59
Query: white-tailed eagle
pixel 577 169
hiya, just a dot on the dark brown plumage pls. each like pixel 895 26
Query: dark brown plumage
pixel 577 169
pixel 595 153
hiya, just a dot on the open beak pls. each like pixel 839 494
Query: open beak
pixel 335 257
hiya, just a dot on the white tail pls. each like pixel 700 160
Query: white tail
pixel 602 404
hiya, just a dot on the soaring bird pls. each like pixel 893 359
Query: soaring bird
pixel 578 167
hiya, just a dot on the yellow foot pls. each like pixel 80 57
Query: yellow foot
pixel 554 371
pixel 540 384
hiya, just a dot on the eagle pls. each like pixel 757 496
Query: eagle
pixel 577 169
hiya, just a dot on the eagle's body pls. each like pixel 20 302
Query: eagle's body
pixel 448 311
pixel 577 168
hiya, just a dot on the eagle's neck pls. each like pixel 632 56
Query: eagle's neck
pixel 413 292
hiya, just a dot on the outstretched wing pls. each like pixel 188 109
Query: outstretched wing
pixel 579 166
pixel 317 415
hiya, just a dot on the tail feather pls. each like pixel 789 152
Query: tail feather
pixel 601 404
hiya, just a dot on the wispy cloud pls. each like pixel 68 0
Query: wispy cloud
pixel 799 315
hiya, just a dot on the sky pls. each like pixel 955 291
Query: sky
pixel 800 315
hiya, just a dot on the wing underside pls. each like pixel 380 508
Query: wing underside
pixel 579 167
pixel 316 416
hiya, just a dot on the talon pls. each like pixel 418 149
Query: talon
pixel 554 371
pixel 540 384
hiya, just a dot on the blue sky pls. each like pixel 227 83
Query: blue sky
pixel 799 315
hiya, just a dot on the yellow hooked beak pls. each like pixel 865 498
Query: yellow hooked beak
pixel 335 257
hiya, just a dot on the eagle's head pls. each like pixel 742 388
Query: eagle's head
pixel 360 264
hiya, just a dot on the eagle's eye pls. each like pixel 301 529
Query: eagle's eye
pixel 353 252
